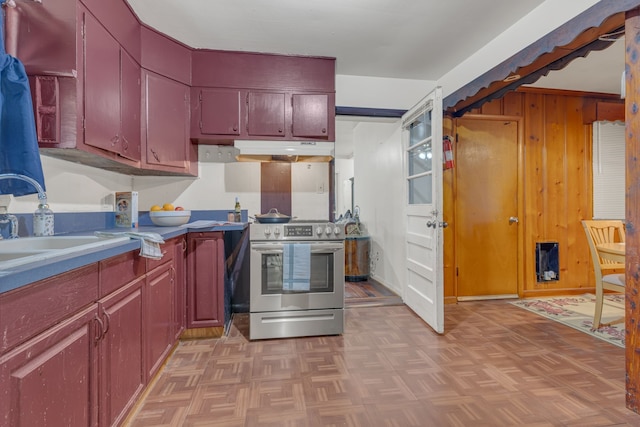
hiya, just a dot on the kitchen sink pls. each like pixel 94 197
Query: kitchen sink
pixel 15 252
pixel 51 242
pixel 13 255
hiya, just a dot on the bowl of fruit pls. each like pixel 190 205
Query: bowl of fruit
pixel 168 215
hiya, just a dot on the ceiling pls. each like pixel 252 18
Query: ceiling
pixel 378 38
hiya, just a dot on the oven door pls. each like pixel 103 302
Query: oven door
pixel 267 278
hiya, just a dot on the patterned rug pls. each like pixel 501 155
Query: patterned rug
pixel 577 312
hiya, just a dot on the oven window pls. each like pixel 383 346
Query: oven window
pixel 321 274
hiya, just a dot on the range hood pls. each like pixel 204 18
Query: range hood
pixel 281 150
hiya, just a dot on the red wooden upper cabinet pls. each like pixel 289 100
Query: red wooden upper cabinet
pixel 311 114
pixel 220 111
pixel 101 87
pixel 272 97
pixel 167 119
pixel 266 114
pixel 130 103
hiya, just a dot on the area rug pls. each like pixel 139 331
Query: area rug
pixel 577 312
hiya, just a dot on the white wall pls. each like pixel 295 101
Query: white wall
pixel 216 187
pixel 72 187
pixel 379 192
pixel 343 174
pixel 378 92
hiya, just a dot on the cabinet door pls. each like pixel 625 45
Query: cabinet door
pixel 266 114
pixel 167 116
pixel 205 280
pixel 220 112
pixel 159 316
pixel 310 115
pixel 129 107
pixel 180 287
pixel 101 86
pixel 122 377
pixel 51 380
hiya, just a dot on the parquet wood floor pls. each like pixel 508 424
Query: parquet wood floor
pixel 369 293
pixel 496 365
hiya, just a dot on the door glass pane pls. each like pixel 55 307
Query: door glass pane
pixel 420 159
pixel 420 190
pixel 420 129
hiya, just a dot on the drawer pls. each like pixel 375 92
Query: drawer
pixel 29 310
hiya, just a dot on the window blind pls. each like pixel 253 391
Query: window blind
pixel 608 170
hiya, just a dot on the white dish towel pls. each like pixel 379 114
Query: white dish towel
pixel 296 267
pixel 149 242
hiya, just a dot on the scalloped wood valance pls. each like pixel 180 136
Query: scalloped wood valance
pixel 576 38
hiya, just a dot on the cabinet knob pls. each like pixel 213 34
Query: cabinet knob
pixel 235 128
pixel 280 130
pixel 324 130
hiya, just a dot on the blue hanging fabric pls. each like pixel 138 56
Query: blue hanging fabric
pixel 18 139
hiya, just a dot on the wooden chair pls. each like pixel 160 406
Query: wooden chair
pixel 604 231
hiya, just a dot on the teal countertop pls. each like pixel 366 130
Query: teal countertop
pixel 18 276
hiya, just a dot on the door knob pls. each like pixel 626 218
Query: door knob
pixel 444 224
pixel 433 224
pixel 513 219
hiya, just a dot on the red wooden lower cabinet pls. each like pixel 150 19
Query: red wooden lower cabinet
pixel 205 280
pixel 159 314
pixel 180 287
pixel 80 347
pixel 121 352
pixel 51 380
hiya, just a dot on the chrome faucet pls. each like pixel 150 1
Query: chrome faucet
pixel 43 217
pixel 42 196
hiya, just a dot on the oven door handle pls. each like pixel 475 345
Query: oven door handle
pixel 326 250
pixel 278 248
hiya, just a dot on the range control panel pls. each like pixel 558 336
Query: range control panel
pixel 296 231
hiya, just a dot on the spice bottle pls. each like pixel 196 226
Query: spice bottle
pixel 238 212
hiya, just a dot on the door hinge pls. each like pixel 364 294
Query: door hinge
pixel 456 137
pixel 200 96
pixel 456 271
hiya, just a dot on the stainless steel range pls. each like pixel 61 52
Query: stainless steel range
pixel 296 279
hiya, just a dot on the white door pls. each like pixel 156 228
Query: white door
pixel 422 141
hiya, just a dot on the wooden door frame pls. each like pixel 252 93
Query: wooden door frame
pixel 520 201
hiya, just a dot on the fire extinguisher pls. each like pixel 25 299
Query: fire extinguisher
pixel 447 152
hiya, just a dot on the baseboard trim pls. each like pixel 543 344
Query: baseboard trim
pixel 197 333
pixel 488 297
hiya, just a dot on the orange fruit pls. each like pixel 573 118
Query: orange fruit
pixel 155 208
pixel 179 208
pixel 168 207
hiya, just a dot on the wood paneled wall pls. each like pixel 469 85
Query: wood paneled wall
pixel 448 215
pixel 557 174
